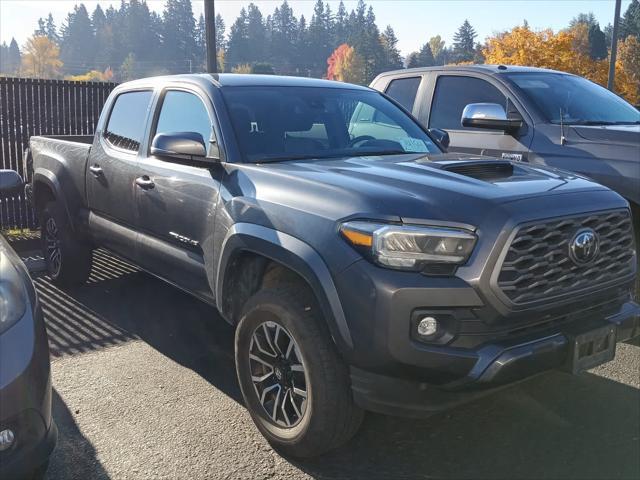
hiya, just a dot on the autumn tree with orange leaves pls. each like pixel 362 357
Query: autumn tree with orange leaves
pixel 565 51
pixel 345 65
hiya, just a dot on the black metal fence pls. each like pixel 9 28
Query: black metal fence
pixel 41 107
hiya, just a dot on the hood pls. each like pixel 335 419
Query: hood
pixel 615 134
pixel 443 186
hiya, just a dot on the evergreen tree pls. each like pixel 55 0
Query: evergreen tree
pixel 51 31
pixel 597 43
pixel 201 41
pixel 178 35
pixel 77 42
pixel 588 19
pixel 425 56
pixel 256 34
pixel 341 25
pixel 238 48
pixel 221 43
pixel 393 60
pixel 630 22
pixel 283 32
pixel 301 48
pixel 319 39
pixel 464 43
pixel 10 58
pixel 103 37
pixel 412 60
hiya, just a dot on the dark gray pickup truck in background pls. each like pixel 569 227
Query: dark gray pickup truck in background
pixel 540 116
pixel 362 267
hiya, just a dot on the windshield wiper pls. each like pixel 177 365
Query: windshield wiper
pixel 382 153
pixel 373 153
pixel 601 122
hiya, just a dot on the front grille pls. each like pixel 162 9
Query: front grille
pixel 538 266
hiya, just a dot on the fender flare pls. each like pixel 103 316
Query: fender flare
pixel 294 254
pixel 46 177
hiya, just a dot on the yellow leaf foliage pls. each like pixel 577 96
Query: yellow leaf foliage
pixel 346 65
pixel 563 51
pixel 93 76
pixel 40 59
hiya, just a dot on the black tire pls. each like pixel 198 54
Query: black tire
pixel 68 260
pixel 39 473
pixel 329 418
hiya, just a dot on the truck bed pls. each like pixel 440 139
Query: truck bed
pixel 66 157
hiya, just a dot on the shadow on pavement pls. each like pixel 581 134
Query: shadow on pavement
pixel 74 457
pixel 553 426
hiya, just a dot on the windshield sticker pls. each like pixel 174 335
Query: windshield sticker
pixel 413 145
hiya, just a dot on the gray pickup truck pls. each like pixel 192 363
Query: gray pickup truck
pixel 362 267
pixel 540 116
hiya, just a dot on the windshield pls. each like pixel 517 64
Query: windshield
pixel 292 123
pixel 580 101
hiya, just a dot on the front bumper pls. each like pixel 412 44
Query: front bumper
pixel 26 395
pixel 499 364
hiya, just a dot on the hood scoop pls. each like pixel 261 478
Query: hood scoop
pixel 484 170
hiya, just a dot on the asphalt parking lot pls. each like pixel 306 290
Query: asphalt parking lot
pixel 145 388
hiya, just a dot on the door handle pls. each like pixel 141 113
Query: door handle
pixel 96 170
pixel 145 182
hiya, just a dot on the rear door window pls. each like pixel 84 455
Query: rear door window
pixel 404 91
pixel 127 120
pixel 453 93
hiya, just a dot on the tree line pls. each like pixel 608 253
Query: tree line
pixel 133 41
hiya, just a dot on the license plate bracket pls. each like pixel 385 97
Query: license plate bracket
pixel 590 349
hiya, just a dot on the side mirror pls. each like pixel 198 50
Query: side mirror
pixel 490 116
pixel 10 183
pixel 180 145
pixel 441 136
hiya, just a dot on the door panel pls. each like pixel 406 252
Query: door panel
pixel 113 167
pixel 452 94
pixel 176 222
pixel 177 200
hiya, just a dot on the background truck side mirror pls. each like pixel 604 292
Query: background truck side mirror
pixel 441 136
pixel 10 183
pixel 490 116
pixel 179 145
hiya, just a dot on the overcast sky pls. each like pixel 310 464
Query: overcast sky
pixel 413 20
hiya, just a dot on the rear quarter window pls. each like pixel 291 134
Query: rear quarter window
pixel 127 120
pixel 404 91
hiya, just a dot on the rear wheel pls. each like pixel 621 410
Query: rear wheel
pixel 294 384
pixel 68 260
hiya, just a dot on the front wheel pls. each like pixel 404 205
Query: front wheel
pixel 294 384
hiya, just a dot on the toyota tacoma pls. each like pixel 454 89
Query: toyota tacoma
pixel 362 267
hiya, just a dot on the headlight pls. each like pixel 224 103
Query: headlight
pixel 12 296
pixel 409 247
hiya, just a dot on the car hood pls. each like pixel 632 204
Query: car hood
pixel 612 134
pixel 409 186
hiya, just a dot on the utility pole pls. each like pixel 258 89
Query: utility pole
pixel 210 34
pixel 614 48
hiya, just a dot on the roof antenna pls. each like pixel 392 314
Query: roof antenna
pixel 563 139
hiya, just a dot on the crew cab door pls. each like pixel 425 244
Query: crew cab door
pixel 448 98
pixel 111 171
pixel 177 199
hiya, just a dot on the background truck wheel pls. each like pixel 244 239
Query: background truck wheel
pixel 294 384
pixel 68 260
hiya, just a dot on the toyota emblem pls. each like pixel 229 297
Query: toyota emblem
pixel 584 246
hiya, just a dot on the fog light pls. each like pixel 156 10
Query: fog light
pixel 427 327
pixel 6 439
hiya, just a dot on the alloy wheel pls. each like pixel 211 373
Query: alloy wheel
pixel 278 374
pixel 54 253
